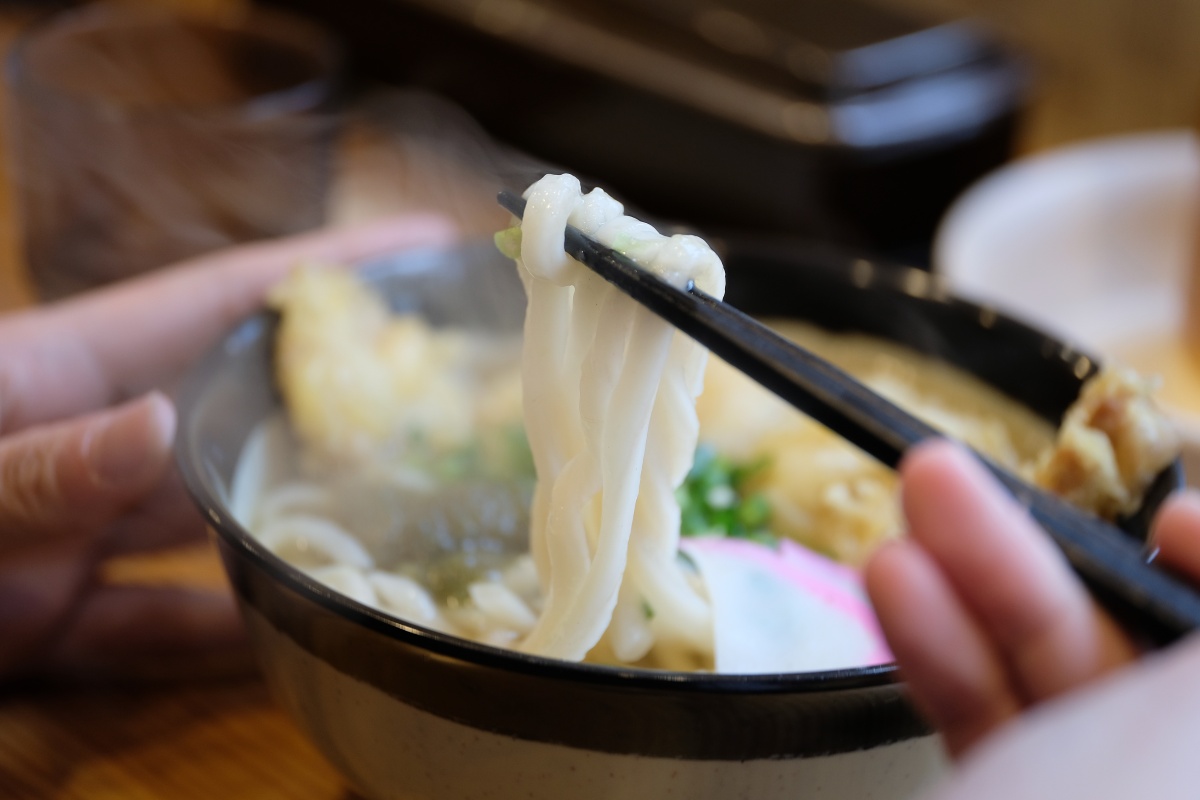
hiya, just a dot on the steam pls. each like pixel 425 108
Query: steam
pixel 410 150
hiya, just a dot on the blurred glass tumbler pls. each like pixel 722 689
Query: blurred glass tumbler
pixel 139 138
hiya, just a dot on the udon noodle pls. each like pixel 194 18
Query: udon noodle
pixel 531 492
pixel 610 396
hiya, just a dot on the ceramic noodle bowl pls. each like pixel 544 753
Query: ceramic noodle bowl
pixel 407 712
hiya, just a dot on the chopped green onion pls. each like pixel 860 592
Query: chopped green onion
pixel 715 500
pixel 508 241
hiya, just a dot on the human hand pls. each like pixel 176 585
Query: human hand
pixel 983 613
pixel 1129 734
pixel 85 450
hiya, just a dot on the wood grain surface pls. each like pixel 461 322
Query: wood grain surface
pixel 1105 66
pixel 225 741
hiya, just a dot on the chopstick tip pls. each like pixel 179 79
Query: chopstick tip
pixel 511 201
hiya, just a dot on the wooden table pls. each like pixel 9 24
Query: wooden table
pixel 1107 66
pixel 222 740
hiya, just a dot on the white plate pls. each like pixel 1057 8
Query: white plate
pixel 1092 243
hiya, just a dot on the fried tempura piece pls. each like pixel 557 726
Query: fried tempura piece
pixel 356 378
pixel 1112 443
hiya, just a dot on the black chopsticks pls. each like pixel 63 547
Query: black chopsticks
pixel 1148 601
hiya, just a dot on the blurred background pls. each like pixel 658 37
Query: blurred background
pixel 850 122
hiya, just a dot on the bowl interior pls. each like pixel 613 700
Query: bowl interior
pixel 231 391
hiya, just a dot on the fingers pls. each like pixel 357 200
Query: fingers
pixel 1176 534
pixel 957 678
pixel 166 518
pixel 981 610
pixel 73 478
pixel 152 631
pixel 170 318
pixel 85 352
pixel 1008 574
pixel 40 587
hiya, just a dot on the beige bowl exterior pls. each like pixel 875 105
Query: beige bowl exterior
pixel 393 751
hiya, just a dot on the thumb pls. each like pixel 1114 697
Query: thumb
pixel 74 477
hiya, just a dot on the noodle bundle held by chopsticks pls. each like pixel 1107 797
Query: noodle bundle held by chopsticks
pixel 609 407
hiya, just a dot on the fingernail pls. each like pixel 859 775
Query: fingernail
pixel 132 445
